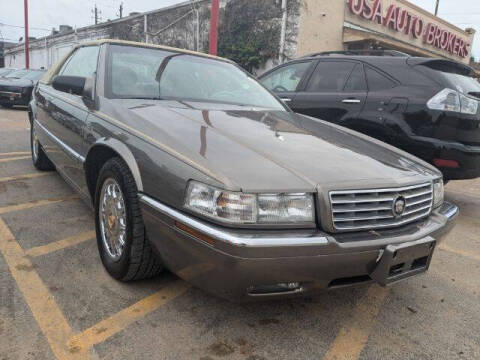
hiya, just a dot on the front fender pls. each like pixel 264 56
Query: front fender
pixel 125 153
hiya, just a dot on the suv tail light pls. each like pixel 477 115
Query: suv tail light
pixel 452 100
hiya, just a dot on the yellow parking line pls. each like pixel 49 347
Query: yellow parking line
pixel 116 323
pixel 15 153
pixel 24 177
pixel 459 252
pixel 61 244
pixel 33 204
pixel 42 304
pixel 353 336
pixel 14 158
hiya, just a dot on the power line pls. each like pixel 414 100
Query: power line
pixel 23 27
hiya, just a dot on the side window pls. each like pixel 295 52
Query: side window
pixel 83 62
pixel 330 76
pixel 377 81
pixel 286 78
pixel 356 81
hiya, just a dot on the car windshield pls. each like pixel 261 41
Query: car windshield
pixel 157 74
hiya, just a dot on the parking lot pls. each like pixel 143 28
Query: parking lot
pixel 57 302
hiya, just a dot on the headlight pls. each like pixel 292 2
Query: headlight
pixel 240 208
pixel 438 193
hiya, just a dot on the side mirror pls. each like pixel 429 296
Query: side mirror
pixel 69 84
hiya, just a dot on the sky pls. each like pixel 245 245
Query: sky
pixel 45 14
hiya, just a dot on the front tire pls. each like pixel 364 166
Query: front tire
pixel 122 241
pixel 39 158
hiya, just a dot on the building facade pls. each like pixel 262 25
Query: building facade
pixel 4 46
pixel 262 33
pixel 380 24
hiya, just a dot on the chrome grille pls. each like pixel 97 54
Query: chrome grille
pixel 372 209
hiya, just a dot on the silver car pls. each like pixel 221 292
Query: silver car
pixel 191 165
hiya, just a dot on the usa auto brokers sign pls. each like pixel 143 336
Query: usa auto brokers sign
pixel 401 20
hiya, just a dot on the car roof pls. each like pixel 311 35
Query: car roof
pixel 153 46
pixel 395 59
pixel 365 58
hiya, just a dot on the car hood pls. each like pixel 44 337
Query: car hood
pixel 16 82
pixel 262 150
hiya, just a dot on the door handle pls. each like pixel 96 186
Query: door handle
pixel 286 100
pixel 351 101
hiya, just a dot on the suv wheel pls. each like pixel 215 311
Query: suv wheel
pixel 122 242
pixel 39 158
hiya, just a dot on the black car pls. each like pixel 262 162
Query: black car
pixel 425 106
pixel 16 87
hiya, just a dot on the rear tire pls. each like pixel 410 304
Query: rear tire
pixel 122 241
pixel 39 158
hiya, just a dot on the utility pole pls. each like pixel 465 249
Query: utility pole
pixel 27 54
pixel 214 27
pixel 96 14
pixel 120 10
pixel 436 7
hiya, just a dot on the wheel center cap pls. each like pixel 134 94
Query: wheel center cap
pixel 111 221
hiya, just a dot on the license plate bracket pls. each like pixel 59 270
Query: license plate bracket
pixel 404 260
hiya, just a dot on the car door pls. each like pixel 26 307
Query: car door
pixel 336 91
pixel 285 80
pixel 382 107
pixel 63 115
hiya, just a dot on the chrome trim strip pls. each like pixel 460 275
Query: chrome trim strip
pixel 65 147
pixel 229 237
pixel 10 93
pixel 340 192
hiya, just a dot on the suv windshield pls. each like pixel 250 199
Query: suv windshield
pixel 136 72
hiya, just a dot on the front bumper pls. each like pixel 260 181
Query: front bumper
pixel 13 98
pixel 233 263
